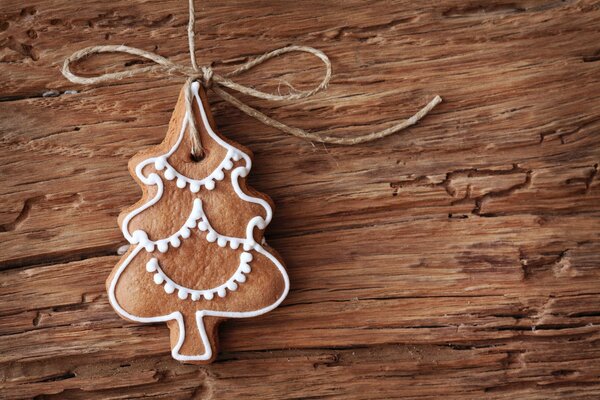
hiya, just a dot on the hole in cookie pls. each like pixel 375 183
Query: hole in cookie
pixel 197 157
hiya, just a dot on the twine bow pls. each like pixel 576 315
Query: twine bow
pixel 215 81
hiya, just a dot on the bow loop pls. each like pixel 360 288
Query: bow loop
pixel 205 73
pixel 209 78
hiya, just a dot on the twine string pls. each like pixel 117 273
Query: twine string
pixel 210 79
pixel 197 149
pixel 192 34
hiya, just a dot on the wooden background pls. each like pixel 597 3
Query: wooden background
pixel 459 259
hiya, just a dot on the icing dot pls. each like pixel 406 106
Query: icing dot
pixel 232 286
pixel 228 164
pixel 159 164
pixel 211 236
pixel 208 295
pixel 194 187
pixel 175 242
pixel 182 294
pixel 210 185
pixel 152 179
pixel 185 232
pixel 222 292
pixel 244 171
pixel 149 247
pixel 261 223
pixel 240 277
pixel 169 288
pixel 246 257
pixel 162 246
pixel 234 244
pixel 195 296
pixel 151 265
pixel 222 242
pixel 236 156
pixel 245 268
pixel 158 279
pixel 190 223
pixel 196 210
pixel 202 225
pixel 170 174
pixel 139 236
pixel 181 183
pixel 219 175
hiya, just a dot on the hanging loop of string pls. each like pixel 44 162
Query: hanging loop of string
pixel 217 82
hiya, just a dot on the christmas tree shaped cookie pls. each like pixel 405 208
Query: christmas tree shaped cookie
pixel 197 254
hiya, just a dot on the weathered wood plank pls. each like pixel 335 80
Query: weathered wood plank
pixel 527 369
pixel 458 259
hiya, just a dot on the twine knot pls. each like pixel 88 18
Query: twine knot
pixel 207 75
pixel 217 82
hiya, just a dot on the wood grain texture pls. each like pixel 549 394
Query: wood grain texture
pixel 460 258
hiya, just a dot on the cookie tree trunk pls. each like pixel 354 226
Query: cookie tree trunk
pixel 195 343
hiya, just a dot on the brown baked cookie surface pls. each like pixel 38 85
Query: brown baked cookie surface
pixel 197 254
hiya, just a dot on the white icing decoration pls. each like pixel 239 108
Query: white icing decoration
pixel 159 163
pixel 219 175
pixel 163 247
pixel 222 240
pixel 211 236
pixel 151 265
pixel 170 173
pixel 174 240
pixel 169 287
pixel 142 241
pixel 210 184
pixel 160 278
pixel 246 257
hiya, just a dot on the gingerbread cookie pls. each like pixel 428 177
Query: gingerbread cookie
pixel 197 254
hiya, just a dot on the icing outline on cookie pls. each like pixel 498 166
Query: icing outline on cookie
pixel 248 243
